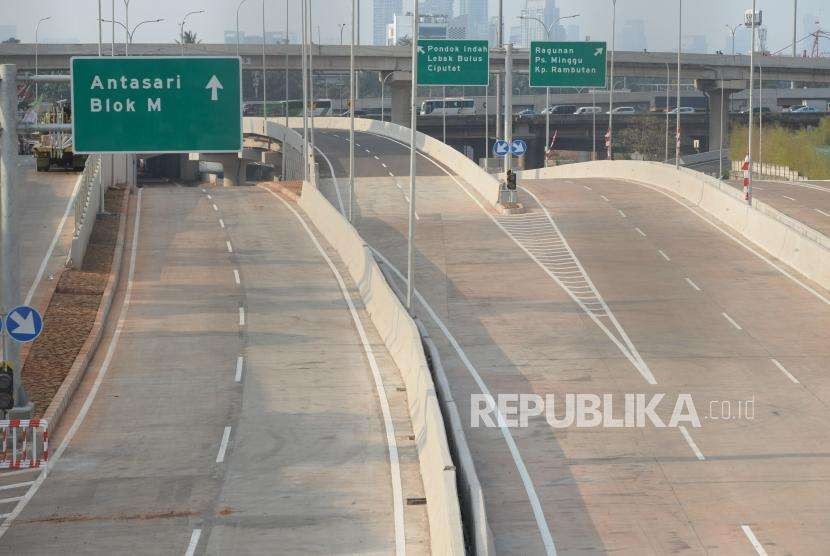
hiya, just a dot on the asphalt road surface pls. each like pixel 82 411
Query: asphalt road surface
pixel 807 202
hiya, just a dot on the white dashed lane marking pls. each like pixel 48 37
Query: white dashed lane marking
pixel 732 321
pixel 662 254
pixel 695 286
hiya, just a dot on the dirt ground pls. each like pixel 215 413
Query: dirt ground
pixel 72 310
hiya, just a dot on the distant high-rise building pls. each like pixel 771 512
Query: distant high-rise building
pixel 572 33
pixel 633 35
pixel 477 18
pixel 436 7
pixel 383 12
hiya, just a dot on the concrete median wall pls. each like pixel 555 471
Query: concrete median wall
pixel 402 339
pixel 801 247
pixel 486 185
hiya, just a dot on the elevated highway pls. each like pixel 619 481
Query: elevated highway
pixel 611 287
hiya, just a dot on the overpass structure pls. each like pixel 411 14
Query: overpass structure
pixel 718 75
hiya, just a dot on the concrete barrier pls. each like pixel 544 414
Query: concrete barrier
pixel 402 339
pixel 798 245
pixel 485 184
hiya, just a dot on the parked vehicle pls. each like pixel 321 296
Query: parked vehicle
pixel 683 110
pixel 560 109
pixel 449 106
pixel 805 109
pixel 526 114
pixel 623 110
pixel 582 110
pixel 757 110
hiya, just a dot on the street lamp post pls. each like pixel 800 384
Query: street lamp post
pixel 188 14
pixel 733 30
pixel 679 48
pixel 126 28
pixel 37 28
pixel 131 34
pixel 668 86
pixel 748 182
pixel 237 26
pixel 413 124
pixel 548 29
pixel 382 82
pixel 342 26
pixel 610 147
pixel 351 108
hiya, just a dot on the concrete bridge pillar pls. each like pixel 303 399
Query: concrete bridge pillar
pixel 188 169
pixel 719 92
pixel 401 91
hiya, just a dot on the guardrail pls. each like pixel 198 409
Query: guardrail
pixel 25 443
pixel 87 203
pixel 764 170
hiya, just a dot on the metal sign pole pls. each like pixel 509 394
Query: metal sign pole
pixel 413 124
pixel 351 110
pixel 508 104
pixel 9 260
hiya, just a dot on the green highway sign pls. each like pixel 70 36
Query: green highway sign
pixel 567 64
pixel 156 104
pixel 452 62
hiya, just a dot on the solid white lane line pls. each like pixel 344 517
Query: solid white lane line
pixel 691 443
pixel 10 500
pixel 389 426
pixel 604 198
pixel 731 321
pixel 533 497
pixel 753 540
pixel 230 248
pixel 786 197
pixel 822 212
pixel 223 445
pixel 16 485
pixel 622 213
pixel 236 277
pixel 242 316
pixel 55 238
pixel 221 223
pixel 662 254
pixel 215 208
pixel 783 370
pixel 641 232
pixel 695 286
pixel 740 242
pixel 240 361
pixel 194 542
pixel 93 391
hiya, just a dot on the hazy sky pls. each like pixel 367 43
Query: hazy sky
pixel 700 17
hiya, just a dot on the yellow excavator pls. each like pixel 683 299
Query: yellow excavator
pixel 55 149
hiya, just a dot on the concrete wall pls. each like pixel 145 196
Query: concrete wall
pixel 402 339
pixel 486 185
pixel 801 247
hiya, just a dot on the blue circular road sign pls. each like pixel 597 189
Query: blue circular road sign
pixel 501 148
pixel 24 324
pixel 518 147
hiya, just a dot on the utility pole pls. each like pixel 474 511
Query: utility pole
pixel 351 110
pixel 508 102
pixel 9 251
pixel 413 124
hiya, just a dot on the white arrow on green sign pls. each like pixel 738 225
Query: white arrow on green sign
pixel 567 64
pixel 453 62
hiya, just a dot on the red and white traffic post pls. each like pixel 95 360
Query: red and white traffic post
pixel 608 143
pixel 746 167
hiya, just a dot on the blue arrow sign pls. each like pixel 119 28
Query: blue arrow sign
pixel 501 148
pixel 518 147
pixel 24 324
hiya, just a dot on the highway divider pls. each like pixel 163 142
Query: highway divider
pixel 402 339
pixel 803 248
pixel 485 184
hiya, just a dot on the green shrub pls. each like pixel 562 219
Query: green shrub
pixel 800 150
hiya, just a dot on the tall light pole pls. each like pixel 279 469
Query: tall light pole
pixel 795 17
pixel 733 29
pixel 351 108
pixel 679 48
pixel 37 28
pixel 131 34
pixel 668 86
pixel 100 30
pixel 382 83
pixel 548 30
pixel 748 182
pixel 112 36
pixel 413 124
pixel 305 87
pixel 264 79
pixel 287 2
pixel 610 152
pixel 342 26
pixel 184 19
pixel 237 25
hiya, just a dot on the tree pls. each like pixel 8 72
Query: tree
pixel 189 37
pixel 405 41
pixel 645 134
pixel 11 40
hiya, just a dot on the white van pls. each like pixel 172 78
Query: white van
pixel 588 110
